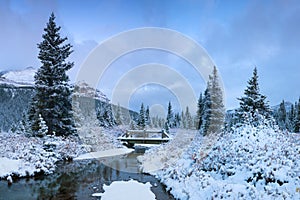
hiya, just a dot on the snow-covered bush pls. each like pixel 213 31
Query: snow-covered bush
pixel 249 162
pixel 26 156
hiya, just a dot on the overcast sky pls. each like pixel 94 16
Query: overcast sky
pixel 237 35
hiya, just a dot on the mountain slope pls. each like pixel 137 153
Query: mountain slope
pixel 18 77
pixel 17 89
pixel 21 76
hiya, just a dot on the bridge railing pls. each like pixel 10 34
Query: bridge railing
pixel 146 133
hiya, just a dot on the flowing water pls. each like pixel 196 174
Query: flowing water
pixel 80 179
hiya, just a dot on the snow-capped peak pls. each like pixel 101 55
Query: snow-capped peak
pixel 83 89
pixel 25 76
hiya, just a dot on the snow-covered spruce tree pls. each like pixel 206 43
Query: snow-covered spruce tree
pixel 118 115
pixel 108 117
pixel 183 120
pixel 188 118
pixel 282 116
pixel 253 103
pixel 214 109
pixel 141 119
pixel 147 117
pixel 170 116
pixel 43 127
pixel 200 111
pixel 52 98
pixel 132 125
pixel 24 126
pixel 297 117
pixel 206 112
pixel 291 115
pixel 177 120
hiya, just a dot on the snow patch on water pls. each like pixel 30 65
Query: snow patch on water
pixel 120 190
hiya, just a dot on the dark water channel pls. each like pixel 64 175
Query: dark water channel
pixel 80 179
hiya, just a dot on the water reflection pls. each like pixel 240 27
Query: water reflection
pixel 80 179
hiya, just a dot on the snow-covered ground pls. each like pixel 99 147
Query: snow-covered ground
pixel 245 163
pixel 120 190
pixel 106 153
pixel 96 138
pixel 25 156
pixel 162 156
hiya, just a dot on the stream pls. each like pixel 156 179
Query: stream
pixel 80 179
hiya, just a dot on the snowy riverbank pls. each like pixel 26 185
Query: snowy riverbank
pixel 166 155
pixel 246 163
pixel 26 156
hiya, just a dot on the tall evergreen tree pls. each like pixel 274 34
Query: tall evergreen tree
pixel 52 99
pixel 43 127
pixel 200 112
pixel 118 115
pixel 188 117
pixel 132 125
pixel 206 111
pixel 183 120
pixel 253 102
pixel 291 119
pixel 170 116
pixel 282 116
pixel 177 120
pixel 147 116
pixel 297 117
pixel 214 109
pixel 141 120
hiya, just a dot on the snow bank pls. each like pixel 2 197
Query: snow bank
pixel 96 138
pixel 120 190
pixel 26 156
pixel 165 155
pixel 102 154
pixel 8 166
pixel 246 163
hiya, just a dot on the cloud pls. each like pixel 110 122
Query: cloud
pixel 237 35
pixel 259 34
pixel 145 80
pixel 81 52
pixel 21 30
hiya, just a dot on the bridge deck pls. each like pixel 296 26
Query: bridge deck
pixel 142 137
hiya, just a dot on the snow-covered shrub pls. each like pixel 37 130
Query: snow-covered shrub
pixel 252 161
pixel 26 156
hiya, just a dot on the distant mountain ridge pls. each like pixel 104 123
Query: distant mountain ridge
pixel 17 90
pixel 18 78
pixel 287 105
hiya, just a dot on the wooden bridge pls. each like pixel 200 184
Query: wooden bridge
pixel 132 137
